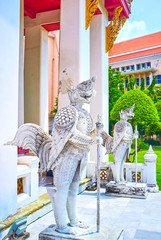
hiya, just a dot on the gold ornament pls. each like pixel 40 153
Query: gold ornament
pixel 91 7
pixel 129 2
pixel 114 27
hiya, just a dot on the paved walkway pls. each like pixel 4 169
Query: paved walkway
pixel 140 218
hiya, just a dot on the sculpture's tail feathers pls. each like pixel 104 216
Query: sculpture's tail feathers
pixel 10 143
pixel 44 153
pixel 30 136
pixel 104 136
pixel 33 137
pixel 107 141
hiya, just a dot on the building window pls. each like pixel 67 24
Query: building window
pixel 149 65
pixel 147 81
pixel 158 79
pixel 132 68
pixel 138 66
pixel 137 81
pixel 143 65
pixel 117 69
pixel 126 82
pixel 128 68
pixel 123 69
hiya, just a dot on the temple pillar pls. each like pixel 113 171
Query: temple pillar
pixel 99 68
pixel 36 76
pixel 9 69
pixel 74 47
pixel 21 69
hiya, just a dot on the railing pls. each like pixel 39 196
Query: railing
pixel 146 172
pixel 27 180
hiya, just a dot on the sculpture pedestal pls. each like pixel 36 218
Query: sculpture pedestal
pixel 106 233
pixel 152 188
pixel 129 189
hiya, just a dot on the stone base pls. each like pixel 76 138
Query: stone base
pixel 129 189
pixel 106 233
pixel 152 188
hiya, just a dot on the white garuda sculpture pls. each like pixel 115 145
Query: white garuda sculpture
pixel 65 153
pixel 120 144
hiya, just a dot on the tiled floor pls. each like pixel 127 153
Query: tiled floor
pixel 140 218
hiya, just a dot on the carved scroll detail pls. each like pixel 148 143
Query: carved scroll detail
pixel 114 27
pixel 129 2
pixel 91 7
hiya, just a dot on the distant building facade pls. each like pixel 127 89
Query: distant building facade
pixel 140 57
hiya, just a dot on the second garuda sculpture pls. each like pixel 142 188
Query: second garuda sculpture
pixel 65 153
pixel 120 144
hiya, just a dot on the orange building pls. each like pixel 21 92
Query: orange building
pixel 140 57
pixel 53 61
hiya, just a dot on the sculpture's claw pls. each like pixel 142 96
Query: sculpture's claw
pixel 66 230
pixel 123 181
pixel 117 181
pixel 78 224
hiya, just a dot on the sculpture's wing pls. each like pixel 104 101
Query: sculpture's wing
pixel 33 137
pixel 64 121
pixel 119 133
pixel 107 141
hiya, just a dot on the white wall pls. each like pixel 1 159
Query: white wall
pixel 9 60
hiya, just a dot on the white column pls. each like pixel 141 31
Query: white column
pixel 150 77
pixel 36 76
pixel 99 68
pixel 9 64
pixel 74 46
pixel 21 68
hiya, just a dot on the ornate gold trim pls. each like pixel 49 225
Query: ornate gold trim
pixel 129 2
pixel 91 7
pixel 114 27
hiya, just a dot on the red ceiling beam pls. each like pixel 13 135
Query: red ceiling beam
pixel 52 26
pixel 28 12
pixel 112 6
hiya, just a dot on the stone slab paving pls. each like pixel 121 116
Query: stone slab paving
pixel 140 218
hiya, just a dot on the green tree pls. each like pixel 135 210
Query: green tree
pixel 151 89
pixel 155 93
pixel 116 87
pixel 55 108
pixel 158 107
pixel 116 90
pixel 131 83
pixel 141 145
pixel 145 110
pixel 142 85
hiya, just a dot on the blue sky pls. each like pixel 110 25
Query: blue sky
pixel 145 18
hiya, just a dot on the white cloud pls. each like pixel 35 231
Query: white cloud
pixel 132 30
